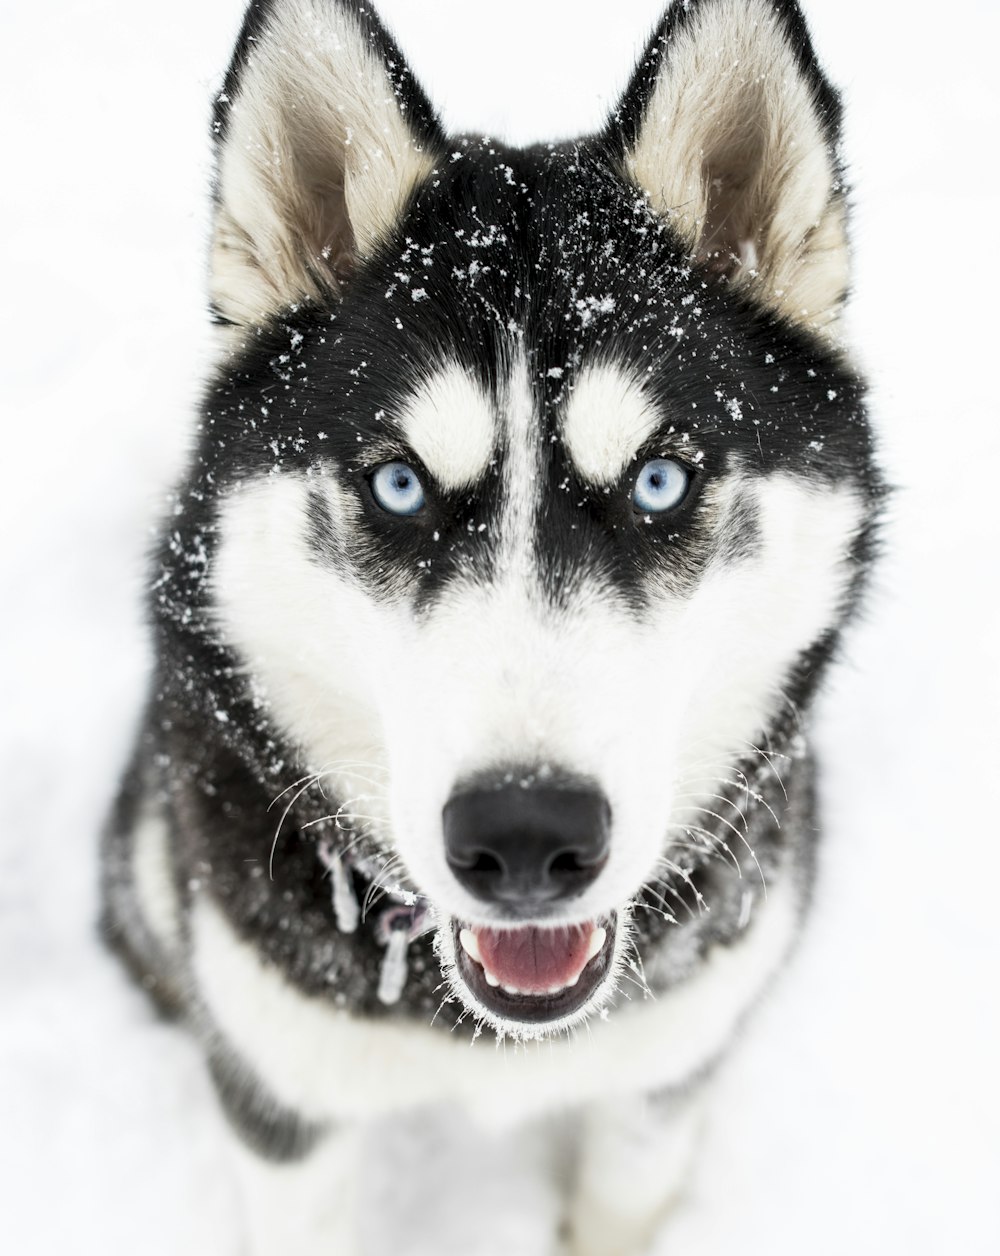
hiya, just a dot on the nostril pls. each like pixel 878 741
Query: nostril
pixel 565 861
pixel 486 863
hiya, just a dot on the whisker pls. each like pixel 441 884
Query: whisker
pixel 686 878
pixel 642 905
pixel 720 798
pixel 673 891
pixel 767 759
pixel 732 827
pixel 640 969
pixel 308 779
pixel 338 815
pixel 284 816
pixel 713 849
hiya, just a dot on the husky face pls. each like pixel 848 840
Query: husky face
pixel 535 497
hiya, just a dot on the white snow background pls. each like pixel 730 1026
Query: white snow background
pixel 861 1111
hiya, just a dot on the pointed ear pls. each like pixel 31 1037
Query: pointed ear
pixel 731 131
pixel 322 134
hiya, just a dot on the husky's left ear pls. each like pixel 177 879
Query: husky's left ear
pixel 322 134
pixel 731 131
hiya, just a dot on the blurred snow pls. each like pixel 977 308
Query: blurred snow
pixel 862 1111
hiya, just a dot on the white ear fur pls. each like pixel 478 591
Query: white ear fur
pixel 316 158
pixel 732 149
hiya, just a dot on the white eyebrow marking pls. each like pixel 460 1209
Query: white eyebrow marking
pixel 449 423
pixel 522 481
pixel 607 420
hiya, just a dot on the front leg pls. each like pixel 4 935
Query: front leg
pixel 306 1206
pixel 424 1183
pixel 435 1184
pixel 634 1158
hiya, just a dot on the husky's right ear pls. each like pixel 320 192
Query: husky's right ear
pixel 322 135
pixel 731 131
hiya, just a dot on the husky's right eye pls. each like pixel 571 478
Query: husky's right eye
pixel 397 489
pixel 661 485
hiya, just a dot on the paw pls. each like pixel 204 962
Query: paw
pixel 609 1232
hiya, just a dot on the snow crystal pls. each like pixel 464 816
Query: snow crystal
pixel 588 307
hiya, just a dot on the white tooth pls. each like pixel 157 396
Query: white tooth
pixel 470 945
pixel 597 940
pixel 490 979
pixel 555 989
pixel 573 982
pixel 512 989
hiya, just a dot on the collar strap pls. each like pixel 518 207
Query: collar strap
pixel 397 923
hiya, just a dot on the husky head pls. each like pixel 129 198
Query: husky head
pixel 538 481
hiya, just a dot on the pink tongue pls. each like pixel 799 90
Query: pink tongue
pixel 534 960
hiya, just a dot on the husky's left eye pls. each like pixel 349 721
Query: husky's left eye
pixel 397 489
pixel 661 485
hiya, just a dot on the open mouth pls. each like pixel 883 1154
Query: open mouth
pixel 535 973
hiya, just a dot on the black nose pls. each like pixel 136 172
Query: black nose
pixel 526 845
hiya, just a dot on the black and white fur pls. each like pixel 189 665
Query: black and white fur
pixel 526 327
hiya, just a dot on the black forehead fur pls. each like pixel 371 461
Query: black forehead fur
pixel 550 253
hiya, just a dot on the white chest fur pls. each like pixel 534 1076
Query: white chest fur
pixel 328 1064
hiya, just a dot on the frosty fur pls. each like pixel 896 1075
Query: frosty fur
pixel 526 327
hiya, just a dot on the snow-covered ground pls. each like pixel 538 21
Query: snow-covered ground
pixel 862 1112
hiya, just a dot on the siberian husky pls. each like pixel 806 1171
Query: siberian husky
pixel 532 491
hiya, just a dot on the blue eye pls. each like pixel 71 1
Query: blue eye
pixel 661 485
pixel 397 489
